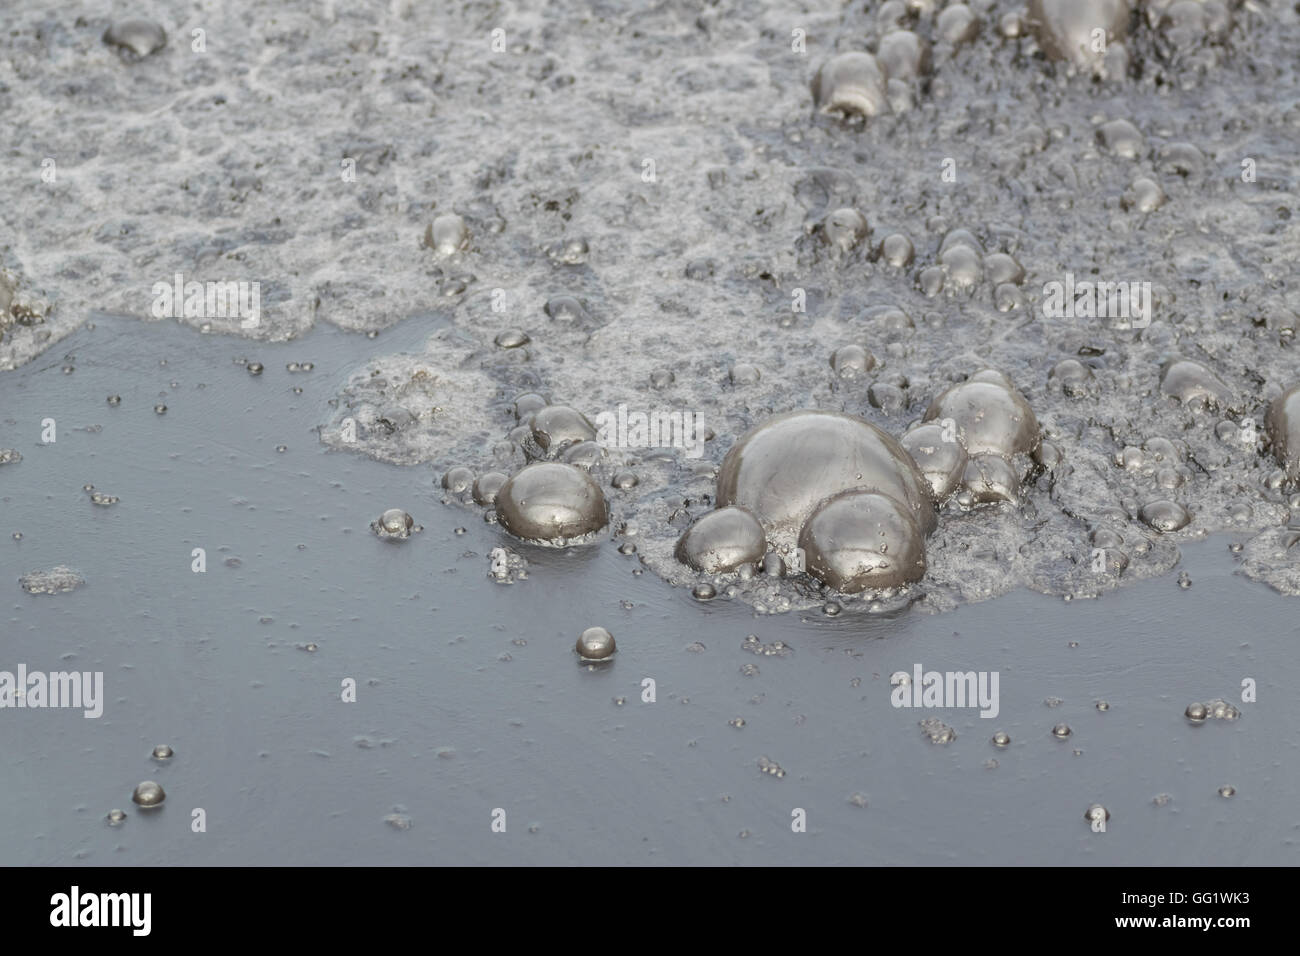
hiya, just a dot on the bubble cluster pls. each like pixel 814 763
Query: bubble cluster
pixel 1217 709
pixel 937 731
pixel 57 580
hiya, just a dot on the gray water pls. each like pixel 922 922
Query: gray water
pixel 470 697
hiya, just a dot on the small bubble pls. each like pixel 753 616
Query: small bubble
pixel 1053 702
pixel 595 643
pixel 1196 712
pixel 858 800
pixel 160 409
pixel 512 339
pixel 18 536
pixel 1161 799
pixel 163 752
pixel 115 399
pixel 736 722
pixel 1096 813
pixel 398 821
pixel 704 592
pixel 148 794
pixel 1062 731
pixel 1103 705
pixel 282 448
pixel 620 701
pixel 1001 739
pixel 116 818
pixel 1227 790
pixel 393 523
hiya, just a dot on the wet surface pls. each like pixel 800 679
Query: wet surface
pixel 470 697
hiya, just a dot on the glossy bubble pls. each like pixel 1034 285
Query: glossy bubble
pixel 136 38
pixel 845 228
pixel 851 361
pixel 903 55
pixel 457 479
pixel 786 467
pixel 595 644
pixel 447 234
pixel 393 523
pixel 941 462
pixel 148 794
pixel 1122 138
pixel 990 478
pixel 486 487
pixel 1072 377
pixel 1062 731
pixel 557 425
pixel 1164 515
pixel 722 540
pixel 551 501
pixel 851 84
pixel 116 818
pixel 1001 739
pixel 1194 384
pixel 1064 28
pixel 896 250
pixel 163 752
pixel 861 539
pixel 991 416
pixel 1002 268
pixel 512 339
pixel 1145 195
pixel 1282 423
pixel 957 25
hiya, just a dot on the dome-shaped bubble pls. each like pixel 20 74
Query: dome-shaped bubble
pixel 940 461
pixel 991 416
pixel 722 540
pixel 549 501
pixel 862 539
pixel 852 84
